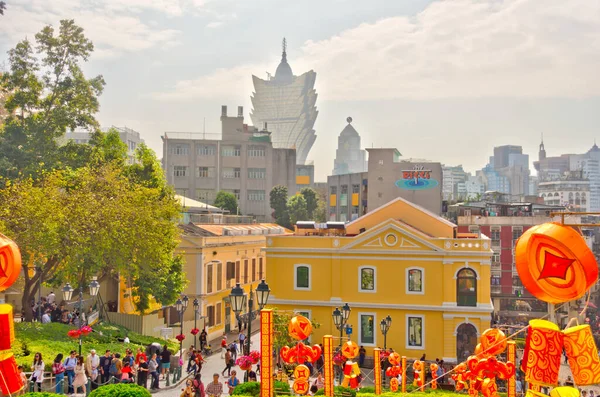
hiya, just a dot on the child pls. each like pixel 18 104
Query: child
pixel 23 378
pixel 126 373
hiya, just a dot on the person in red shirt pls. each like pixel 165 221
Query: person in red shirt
pixel 139 354
pixel 126 373
pixel 223 346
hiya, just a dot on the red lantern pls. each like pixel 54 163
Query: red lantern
pixel 180 337
pixel 493 341
pixel 10 380
pixel 300 327
pixel 350 349
pixel 10 262
pixel 7 327
pixel 394 358
pixel 194 331
pixel 554 263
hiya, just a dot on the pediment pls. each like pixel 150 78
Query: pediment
pixel 391 237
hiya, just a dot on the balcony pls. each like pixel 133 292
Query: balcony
pixel 496 289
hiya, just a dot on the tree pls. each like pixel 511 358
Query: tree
pixel 310 195
pixel 320 214
pixel 94 221
pixel 296 207
pixel 45 98
pixel 278 199
pixel 226 201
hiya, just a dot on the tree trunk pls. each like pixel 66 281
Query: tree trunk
pixel 29 292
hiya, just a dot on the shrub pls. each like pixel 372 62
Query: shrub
pixel 39 394
pixel 120 390
pixel 338 390
pixel 281 387
pixel 247 389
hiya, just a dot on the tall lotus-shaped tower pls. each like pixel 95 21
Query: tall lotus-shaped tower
pixel 286 104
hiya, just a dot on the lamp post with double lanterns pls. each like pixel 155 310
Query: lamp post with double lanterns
pixel 181 305
pixel 196 307
pixel 340 319
pixel 385 325
pixel 238 303
pixel 67 292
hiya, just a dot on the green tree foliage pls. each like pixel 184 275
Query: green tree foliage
pixel 95 220
pixel 278 199
pixel 296 207
pixel 226 201
pixel 312 201
pixel 45 96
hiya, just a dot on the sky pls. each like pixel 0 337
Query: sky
pixel 441 80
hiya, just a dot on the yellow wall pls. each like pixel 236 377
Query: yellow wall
pixel 391 248
pixel 302 180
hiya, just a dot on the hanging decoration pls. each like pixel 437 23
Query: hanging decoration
pixel 582 355
pixel 554 263
pixel 543 351
pixel 351 369
pixel 254 356
pixel 299 327
pixel 244 362
pixel 266 356
pixel 394 370
pixel 194 331
pixel 301 375
pixel 10 268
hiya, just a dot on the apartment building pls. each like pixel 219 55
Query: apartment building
pixel 240 160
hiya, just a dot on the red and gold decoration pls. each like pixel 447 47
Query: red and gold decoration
pixel 195 331
pixel 511 355
pixel 394 370
pixel 350 350
pixel 403 374
pixel 564 391
pixel 419 371
pixel 582 355
pixel 328 365
pixel 266 353
pixel 554 263
pixel 377 370
pixel 543 350
pixel 433 369
pixel 301 375
pixel 394 384
pixel 351 370
pixel 10 267
pixel 254 356
pixel 300 328
pixel 493 342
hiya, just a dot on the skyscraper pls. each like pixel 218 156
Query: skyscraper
pixel 349 158
pixel 286 104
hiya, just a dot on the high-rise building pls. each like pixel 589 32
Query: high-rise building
pixel 349 158
pixel 571 190
pixel 241 160
pixel 508 171
pixel 129 137
pixel 285 105
pixel 453 176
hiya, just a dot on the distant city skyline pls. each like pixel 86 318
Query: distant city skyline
pixel 441 80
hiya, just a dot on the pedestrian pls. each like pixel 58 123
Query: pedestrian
pixel 153 369
pixel 165 361
pixel 22 374
pixel 104 366
pixel 70 363
pixel 126 373
pixel 214 388
pixel 80 378
pixel 233 348
pixel 362 353
pixel 223 346
pixel 116 368
pixel 92 363
pixel 190 356
pixel 242 338
pixel 203 339
pixel 188 391
pixel 142 374
pixel 519 388
pixel 228 363
pixel 319 382
pixel 51 297
pixel 199 386
pixel 232 382
pixel 58 370
pixel 126 340
pixel 37 367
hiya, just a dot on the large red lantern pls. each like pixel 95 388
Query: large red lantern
pixel 7 327
pixel 554 263
pixel 10 262
pixel 299 327
pixel 493 342
pixel 10 381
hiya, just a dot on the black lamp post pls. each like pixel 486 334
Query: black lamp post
pixel 196 306
pixel 238 303
pixel 180 306
pixel 68 294
pixel 340 319
pixel 385 325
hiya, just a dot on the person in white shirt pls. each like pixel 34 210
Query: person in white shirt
pixel 51 298
pixel 46 318
pixel 37 367
pixel 91 365
pixel 126 340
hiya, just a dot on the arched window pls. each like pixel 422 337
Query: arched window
pixel 466 288
pixel 302 277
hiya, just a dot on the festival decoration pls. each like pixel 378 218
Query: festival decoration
pixel 180 337
pixel 301 374
pixel 543 350
pixel 433 369
pixel 194 331
pixel 511 355
pixel 582 355
pixel 394 358
pixel 350 349
pixel 300 353
pixel 10 262
pixel 564 391
pixel 460 376
pixel 74 333
pixel 554 263
pixel 377 370
pixel 394 370
pixel 394 384
pixel 86 330
pixel 493 342
pixel 299 327
pixel 266 356
pixel 328 365
pixel 254 356
pixel 419 371
pixel 403 374
pixel 300 386
pixel 10 267
pixel 244 362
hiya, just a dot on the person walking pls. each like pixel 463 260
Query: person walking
pixel 153 370
pixel 142 374
pixel 242 338
pixel 37 367
pixel 92 363
pixel 199 386
pixel 228 363
pixel 70 363
pixel 80 378
pixel 165 360
pixel 104 367
pixel 233 348
pixel 214 388
pixel 223 346
pixel 58 370
pixel 232 382
pixel 203 339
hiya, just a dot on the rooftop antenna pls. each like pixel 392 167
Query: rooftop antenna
pixel 284 48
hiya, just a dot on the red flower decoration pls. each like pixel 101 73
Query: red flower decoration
pixel 74 333
pixel 86 330
pixel 255 356
pixel 194 331
pixel 338 359
pixel 244 362
pixel 180 337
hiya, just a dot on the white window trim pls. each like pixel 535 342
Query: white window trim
pixel 423 333
pixel 375 324
pixel 309 311
pixel 368 291
pixel 408 292
pixel 296 266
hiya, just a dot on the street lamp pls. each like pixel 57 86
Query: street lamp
pixel 385 325
pixel 180 306
pixel 67 292
pixel 196 306
pixel 238 303
pixel 340 319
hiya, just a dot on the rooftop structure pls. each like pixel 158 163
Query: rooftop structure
pixel 285 104
pixel 349 158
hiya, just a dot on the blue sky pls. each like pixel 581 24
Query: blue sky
pixel 444 80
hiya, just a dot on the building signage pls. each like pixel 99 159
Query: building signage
pixel 418 178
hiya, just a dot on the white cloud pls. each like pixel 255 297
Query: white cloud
pixel 454 48
pixel 114 26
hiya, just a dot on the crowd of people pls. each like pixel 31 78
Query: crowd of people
pixel 49 310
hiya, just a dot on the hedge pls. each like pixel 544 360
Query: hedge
pixel 121 390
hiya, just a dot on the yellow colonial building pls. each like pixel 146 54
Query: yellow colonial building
pixel 398 260
pixel 217 256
